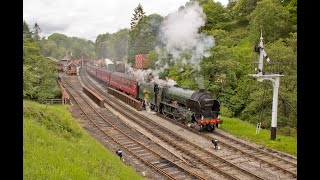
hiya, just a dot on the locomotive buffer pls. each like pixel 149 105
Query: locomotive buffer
pixel 274 78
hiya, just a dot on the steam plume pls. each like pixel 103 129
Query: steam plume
pixel 179 34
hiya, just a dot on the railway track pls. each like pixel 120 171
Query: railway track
pixel 285 166
pixel 201 157
pixel 168 168
pixel 282 164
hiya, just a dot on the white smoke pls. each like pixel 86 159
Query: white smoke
pixel 150 76
pixel 179 34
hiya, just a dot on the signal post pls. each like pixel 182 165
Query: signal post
pixel 274 78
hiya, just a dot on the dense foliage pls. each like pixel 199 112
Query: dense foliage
pixel 143 37
pixel 38 73
pixel 137 16
pixel 113 46
pixel 56 45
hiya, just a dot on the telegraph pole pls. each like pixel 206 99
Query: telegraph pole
pixel 274 78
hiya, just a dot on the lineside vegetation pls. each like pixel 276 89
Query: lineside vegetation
pixel 55 147
pixel 247 131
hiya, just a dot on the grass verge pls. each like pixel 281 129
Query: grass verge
pixel 247 131
pixel 55 147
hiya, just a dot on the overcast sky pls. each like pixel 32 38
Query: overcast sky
pixel 89 18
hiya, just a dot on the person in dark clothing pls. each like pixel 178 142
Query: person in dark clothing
pixel 119 153
pixel 215 143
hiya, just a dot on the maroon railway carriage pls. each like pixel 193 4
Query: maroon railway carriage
pixel 116 80
pixel 92 70
pixel 103 75
pixel 124 83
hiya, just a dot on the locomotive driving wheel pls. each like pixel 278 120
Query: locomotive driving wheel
pixel 176 115
pixel 164 110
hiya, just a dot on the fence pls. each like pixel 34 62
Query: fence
pixel 55 101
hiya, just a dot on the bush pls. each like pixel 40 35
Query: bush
pixel 287 131
pixel 226 112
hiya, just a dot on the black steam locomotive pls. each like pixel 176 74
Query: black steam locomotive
pixel 196 109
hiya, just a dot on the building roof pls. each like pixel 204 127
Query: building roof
pixel 119 62
pixel 71 64
pixel 53 59
pixel 108 61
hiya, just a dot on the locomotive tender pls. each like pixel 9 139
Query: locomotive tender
pixel 197 109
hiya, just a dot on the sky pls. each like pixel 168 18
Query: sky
pixel 89 18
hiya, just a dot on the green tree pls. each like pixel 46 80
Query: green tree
pixel 137 16
pixel 36 32
pixel 38 73
pixel 184 74
pixel 58 44
pixel 231 4
pixel 217 15
pixel 113 46
pixel 143 38
pixel 291 6
pixel 272 18
pixel 284 51
pixel 243 8
pixel 26 30
pixel 120 45
pixel 259 101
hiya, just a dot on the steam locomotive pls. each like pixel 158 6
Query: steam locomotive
pixel 197 109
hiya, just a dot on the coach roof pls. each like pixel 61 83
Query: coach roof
pixel 124 76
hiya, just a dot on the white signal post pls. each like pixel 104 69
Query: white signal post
pixel 275 79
